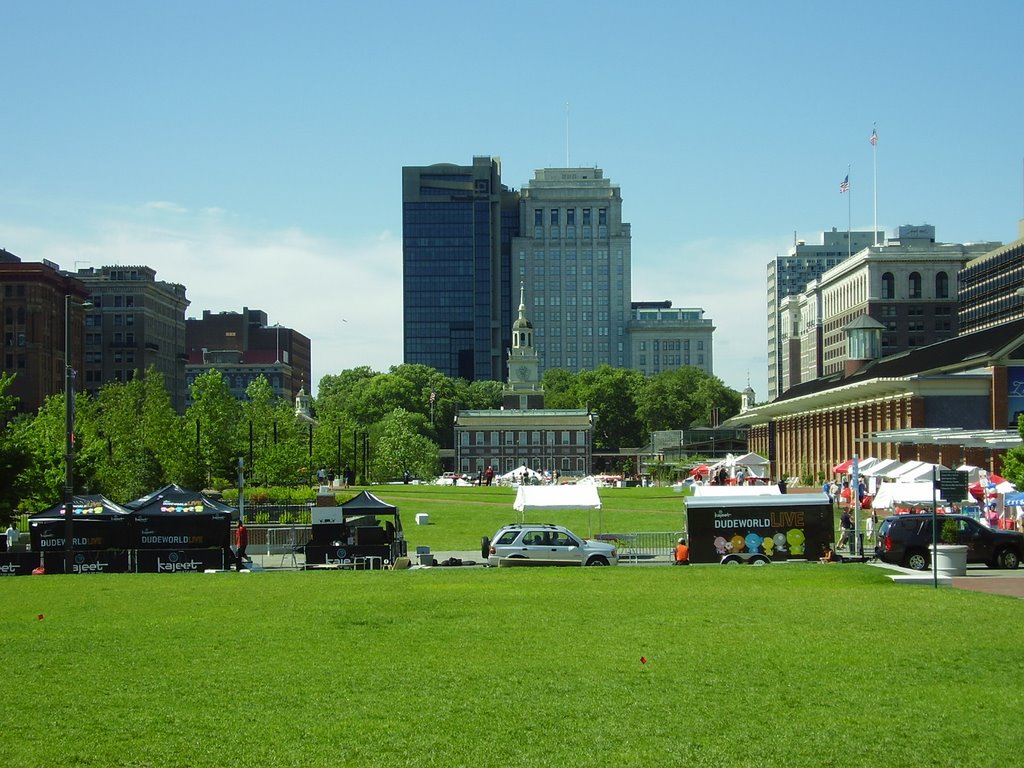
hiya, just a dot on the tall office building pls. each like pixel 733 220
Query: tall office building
pixel 573 253
pixel 136 321
pixel 992 287
pixel 663 338
pixel 457 225
pixel 906 287
pixel 789 275
pixel 42 314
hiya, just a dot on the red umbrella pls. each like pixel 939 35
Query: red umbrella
pixel 700 469
pixel 842 469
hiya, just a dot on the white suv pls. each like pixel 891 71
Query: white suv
pixel 545 544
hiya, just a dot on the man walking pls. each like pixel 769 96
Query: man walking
pixel 846 529
pixel 241 542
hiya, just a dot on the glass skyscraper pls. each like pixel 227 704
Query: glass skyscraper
pixel 457 228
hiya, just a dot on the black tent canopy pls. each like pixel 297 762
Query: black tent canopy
pixel 177 500
pixel 99 523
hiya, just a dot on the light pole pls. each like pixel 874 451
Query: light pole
pixel 69 438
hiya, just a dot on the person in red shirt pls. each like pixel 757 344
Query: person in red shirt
pixel 241 542
pixel 682 553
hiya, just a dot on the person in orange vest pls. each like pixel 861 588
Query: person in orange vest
pixel 682 553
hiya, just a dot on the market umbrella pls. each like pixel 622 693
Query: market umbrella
pixel 700 469
pixel 842 469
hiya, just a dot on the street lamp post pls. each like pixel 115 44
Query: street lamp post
pixel 69 438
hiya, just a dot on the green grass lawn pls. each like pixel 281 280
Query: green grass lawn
pixel 788 665
pixel 459 517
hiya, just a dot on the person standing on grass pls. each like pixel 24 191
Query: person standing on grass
pixel 846 528
pixel 872 524
pixel 682 553
pixel 12 537
pixel 241 542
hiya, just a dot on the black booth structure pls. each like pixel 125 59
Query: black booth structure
pixel 364 531
pixel 172 530
pixel 102 534
pixel 176 530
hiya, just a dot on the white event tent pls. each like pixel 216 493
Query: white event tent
pixel 532 497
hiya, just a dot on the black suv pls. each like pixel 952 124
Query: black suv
pixel 907 539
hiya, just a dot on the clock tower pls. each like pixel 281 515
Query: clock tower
pixel 523 388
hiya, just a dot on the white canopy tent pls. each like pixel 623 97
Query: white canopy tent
pixel 736 490
pixel 922 473
pixel 752 465
pixel 516 474
pixel 879 467
pixel 531 497
pixel 757 466
pixel 891 495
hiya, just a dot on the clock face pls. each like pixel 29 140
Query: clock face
pixel 522 371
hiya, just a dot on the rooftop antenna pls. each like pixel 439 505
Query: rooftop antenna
pixel 567 134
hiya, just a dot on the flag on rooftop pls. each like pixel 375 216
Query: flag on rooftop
pixel 844 185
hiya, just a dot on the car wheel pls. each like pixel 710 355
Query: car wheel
pixel 731 560
pixel 760 560
pixel 485 547
pixel 916 560
pixel 1008 559
pixel 597 560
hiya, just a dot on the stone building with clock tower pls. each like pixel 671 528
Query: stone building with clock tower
pixel 523 432
pixel 523 390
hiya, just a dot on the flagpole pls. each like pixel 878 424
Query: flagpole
pixel 874 162
pixel 849 216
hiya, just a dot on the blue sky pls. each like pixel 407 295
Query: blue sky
pixel 253 151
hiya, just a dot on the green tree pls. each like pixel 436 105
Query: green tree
pixel 558 385
pixel 134 441
pixel 14 460
pixel 379 396
pixel 269 440
pixel 401 448
pixel 683 398
pixel 1013 461
pixel 612 393
pixel 336 391
pixel 218 415
pixel 41 437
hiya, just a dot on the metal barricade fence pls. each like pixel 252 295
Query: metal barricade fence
pixel 644 544
pixel 278 539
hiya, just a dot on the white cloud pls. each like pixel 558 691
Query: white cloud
pixel 346 295
pixel 303 282
pixel 165 206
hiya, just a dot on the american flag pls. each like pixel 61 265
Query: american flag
pixel 874 137
pixel 844 185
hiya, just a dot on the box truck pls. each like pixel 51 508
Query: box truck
pixel 758 529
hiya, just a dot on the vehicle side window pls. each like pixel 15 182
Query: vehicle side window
pixel 970 527
pixel 507 537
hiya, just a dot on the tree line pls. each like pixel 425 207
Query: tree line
pixel 375 426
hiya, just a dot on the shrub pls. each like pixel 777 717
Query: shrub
pixel 947 534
